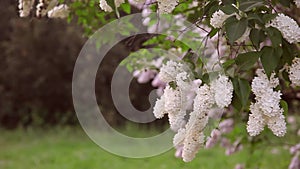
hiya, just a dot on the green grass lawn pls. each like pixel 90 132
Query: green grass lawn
pixel 70 148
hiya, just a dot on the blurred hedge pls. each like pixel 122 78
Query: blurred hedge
pixel 36 69
pixel 37 61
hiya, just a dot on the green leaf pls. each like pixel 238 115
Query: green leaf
pixel 190 58
pixel 285 76
pixel 173 85
pixel 275 36
pixel 208 77
pixel 126 8
pixel 228 63
pixel 235 28
pixel 287 55
pixel 213 32
pixel 230 71
pixel 249 5
pixel 182 7
pixel 129 68
pixel 227 2
pixel 242 90
pixel 211 7
pixel 270 58
pixel 111 3
pixel 91 4
pixel 257 36
pixel 268 17
pixel 236 103
pixel 285 107
pixel 245 61
pixel 256 17
pixel 229 9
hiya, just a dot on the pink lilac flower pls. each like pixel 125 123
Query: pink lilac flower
pixel 295 162
pixel 178 152
pixel 226 126
pixel 213 139
pixel 239 166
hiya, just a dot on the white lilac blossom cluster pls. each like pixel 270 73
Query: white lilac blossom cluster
pixel 190 135
pixel 173 107
pixel 171 69
pixel 61 11
pixel 220 87
pixel 105 7
pixel 173 101
pixel 150 72
pixel 203 103
pixel 295 162
pixel 288 27
pixel 25 7
pixel 218 18
pixel 266 110
pixel 294 72
pixel 166 6
pixel 43 8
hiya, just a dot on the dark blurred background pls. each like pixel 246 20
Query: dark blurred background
pixel 37 61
